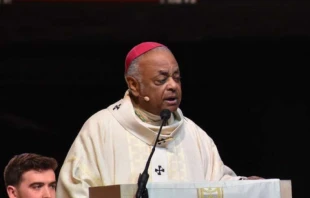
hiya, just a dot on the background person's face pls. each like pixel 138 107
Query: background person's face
pixel 37 184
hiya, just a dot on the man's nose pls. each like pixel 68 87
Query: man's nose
pixel 47 192
pixel 172 84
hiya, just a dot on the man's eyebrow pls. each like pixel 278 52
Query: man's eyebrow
pixel 42 183
pixel 36 183
pixel 163 72
pixel 53 183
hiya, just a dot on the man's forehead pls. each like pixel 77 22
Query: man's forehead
pixel 168 70
pixel 164 59
pixel 34 176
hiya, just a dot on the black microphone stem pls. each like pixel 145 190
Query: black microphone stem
pixel 153 149
pixel 142 191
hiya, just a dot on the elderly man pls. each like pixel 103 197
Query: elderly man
pixel 30 175
pixel 114 144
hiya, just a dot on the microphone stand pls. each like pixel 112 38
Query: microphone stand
pixel 142 190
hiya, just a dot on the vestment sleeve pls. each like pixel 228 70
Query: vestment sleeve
pixel 80 168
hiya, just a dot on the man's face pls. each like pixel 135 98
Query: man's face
pixel 160 81
pixel 35 184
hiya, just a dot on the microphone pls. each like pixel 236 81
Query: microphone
pixel 142 190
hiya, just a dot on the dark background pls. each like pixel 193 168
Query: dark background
pixel 243 65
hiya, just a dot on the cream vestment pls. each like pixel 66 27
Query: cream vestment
pixel 113 146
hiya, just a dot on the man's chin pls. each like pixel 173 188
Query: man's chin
pixel 172 108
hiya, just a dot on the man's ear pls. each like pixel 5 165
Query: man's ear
pixel 133 85
pixel 12 191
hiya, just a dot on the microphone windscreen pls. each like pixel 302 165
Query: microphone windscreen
pixel 165 114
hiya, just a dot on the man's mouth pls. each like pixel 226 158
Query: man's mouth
pixel 171 100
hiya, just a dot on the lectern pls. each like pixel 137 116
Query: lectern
pixel 267 188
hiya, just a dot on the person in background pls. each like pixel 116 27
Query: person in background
pixel 30 175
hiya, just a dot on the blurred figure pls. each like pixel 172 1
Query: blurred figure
pixel 178 1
